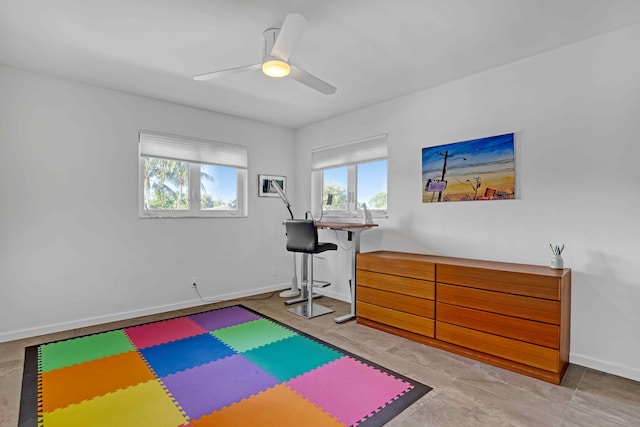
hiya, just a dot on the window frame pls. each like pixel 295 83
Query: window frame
pixel 348 155
pixel 189 149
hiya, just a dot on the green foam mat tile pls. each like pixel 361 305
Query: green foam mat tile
pixel 251 335
pixel 78 350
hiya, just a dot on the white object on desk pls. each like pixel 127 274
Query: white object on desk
pixel 367 218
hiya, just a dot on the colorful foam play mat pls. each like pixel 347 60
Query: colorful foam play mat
pixel 226 367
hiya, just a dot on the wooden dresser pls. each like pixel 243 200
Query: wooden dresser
pixel 514 316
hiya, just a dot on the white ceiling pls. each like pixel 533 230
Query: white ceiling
pixel 371 50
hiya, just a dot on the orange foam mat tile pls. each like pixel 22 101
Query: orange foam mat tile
pixel 278 406
pixel 73 384
pixel 146 404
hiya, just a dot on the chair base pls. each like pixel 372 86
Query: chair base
pixel 304 294
pixel 311 310
pixel 301 298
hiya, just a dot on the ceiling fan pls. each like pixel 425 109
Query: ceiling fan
pixel 279 44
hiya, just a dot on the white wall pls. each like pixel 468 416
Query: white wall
pixel 73 250
pixel 576 113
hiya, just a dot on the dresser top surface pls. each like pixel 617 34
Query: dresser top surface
pixel 473 263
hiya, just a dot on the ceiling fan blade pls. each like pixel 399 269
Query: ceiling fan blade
pixel 227 72
pixel 292 28
pixel 311 81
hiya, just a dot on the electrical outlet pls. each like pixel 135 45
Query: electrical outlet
pixel 194 281
pixel 274 271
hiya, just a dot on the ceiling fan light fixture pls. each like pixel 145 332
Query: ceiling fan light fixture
pixel 278 45
pixel 276 68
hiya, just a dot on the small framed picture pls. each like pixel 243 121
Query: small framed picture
pixel 266 187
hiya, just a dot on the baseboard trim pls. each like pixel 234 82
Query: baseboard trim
pixel 97 320
pixel 604 366
pixel 334 295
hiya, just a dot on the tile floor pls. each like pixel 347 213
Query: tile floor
pixel 465 392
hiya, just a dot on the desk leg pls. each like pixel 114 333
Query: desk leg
pixel 354 236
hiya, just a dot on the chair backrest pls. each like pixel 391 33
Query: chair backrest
pixel 302 235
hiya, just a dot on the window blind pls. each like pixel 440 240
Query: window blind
pixel 364 150
pixel 153 144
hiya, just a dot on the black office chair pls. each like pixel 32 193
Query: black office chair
pixel 302 236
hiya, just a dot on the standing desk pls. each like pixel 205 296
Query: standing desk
pixel 353 234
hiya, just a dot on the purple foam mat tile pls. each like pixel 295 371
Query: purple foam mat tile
pixel 207 388
pixel 223 318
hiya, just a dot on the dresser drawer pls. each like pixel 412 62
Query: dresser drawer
pixel 540 310
pixel 405 303
pixel 506 348
pixel 408 322
pixel 401 285
pixel 511 327
pixel 397 264
pixel 538 286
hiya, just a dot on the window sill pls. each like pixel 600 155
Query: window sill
pixel 331 214
pixel 178 216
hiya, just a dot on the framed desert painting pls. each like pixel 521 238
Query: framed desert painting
pixel 478 169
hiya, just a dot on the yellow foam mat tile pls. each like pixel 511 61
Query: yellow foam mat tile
pixel 278 407
pixel 84 381
pixel 146 404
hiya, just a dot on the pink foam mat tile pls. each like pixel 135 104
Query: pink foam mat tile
pixel 163 332
pixel 349 389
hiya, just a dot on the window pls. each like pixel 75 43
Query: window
pixel 346 176
pixel 189 177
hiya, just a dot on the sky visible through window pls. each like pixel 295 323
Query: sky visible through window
pixel 372 178
pixel 224 182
